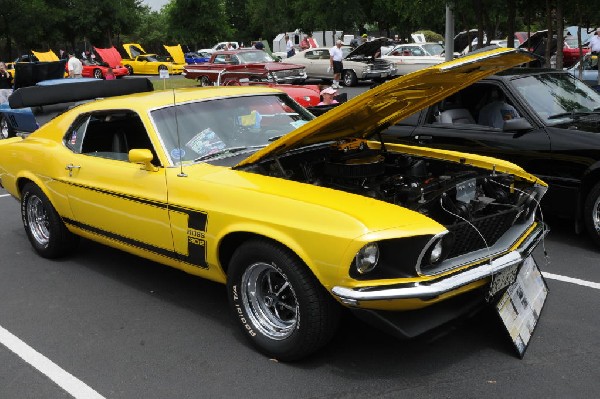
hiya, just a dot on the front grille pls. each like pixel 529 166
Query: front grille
pixel 288 73
pixel 380 66
pixel 467 239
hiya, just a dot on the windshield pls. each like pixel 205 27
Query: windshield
pixel 206 130
pixel 554 96
pixel 434 48
pixel 248 57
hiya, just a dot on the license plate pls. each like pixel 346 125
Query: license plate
pixel 521 305
pixel 503 279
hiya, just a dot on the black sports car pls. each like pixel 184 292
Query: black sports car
pixel 550 126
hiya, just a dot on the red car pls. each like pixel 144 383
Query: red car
pixel 571 51
pixel 245 64
pixel 110 57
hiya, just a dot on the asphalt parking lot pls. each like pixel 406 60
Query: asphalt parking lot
pixel 105 324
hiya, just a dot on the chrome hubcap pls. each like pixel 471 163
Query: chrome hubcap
pixel 269 301
pixel 37 219
pixel 3 129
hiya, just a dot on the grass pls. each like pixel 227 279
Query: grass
pixel 168 84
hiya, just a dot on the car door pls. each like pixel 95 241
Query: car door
pixel 527 147
pixel 110 197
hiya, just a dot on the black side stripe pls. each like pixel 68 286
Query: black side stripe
pixel 200 259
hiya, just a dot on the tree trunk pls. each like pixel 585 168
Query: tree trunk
pixel 510 24
pixel 560 27
pixel 549 35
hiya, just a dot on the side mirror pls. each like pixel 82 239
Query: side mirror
pixel 517 124
pixel 143 156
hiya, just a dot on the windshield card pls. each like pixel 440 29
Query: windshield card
pixel 520 306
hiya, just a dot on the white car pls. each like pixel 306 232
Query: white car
pixel 411 57
pixel 589 73
pixel 217 47
pixel 359 64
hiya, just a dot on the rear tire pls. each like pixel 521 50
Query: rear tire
pixel 6 130
pixel 98 74
pixel 272 294
pixel 44 227
pixel 204 81
pixel 591 213
pixel 130 69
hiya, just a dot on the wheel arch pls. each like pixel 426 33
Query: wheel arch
pixel 60 205
pixel 233 240
pixel 591 178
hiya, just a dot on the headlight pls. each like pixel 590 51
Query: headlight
pixel 436 252
pixel 366 259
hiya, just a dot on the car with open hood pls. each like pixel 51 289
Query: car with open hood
pixel 361 63
pixel 142 63
pixel 297 215
pixel 98 67
pixel 544 120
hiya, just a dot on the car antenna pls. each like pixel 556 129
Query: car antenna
pixel 180 174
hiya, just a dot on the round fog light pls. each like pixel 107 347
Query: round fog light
pixel 366 259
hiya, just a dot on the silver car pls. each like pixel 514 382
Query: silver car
pixel 361 63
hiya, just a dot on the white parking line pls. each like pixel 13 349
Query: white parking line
pixel 571 280
pixel 4 195
pixel 66 381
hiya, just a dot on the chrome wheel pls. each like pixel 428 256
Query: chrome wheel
pixel 97 74
pixel 6 130
pixel 37 220
pixel 204 81
pixel 596 215
pixel 269 301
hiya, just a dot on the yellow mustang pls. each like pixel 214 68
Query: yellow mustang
pixel 298 215
pixel 141 63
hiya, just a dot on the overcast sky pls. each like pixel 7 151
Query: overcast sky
pixel 155 4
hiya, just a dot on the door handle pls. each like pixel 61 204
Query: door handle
pixel 422 138
pixel 70 168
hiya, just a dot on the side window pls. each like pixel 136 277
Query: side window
pixel 219 59
pixel 109 135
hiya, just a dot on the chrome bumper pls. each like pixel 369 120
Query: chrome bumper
pixel 434 288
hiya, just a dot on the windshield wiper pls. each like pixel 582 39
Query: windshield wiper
pixel 571 114
pixel 227 151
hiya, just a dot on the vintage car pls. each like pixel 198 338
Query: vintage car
pixel 411 57
pixel 141 63
pixel 297 216
pixel 221 46
pixel 554 133
pixel 359 64
pixel 196 58
pixel 107 58
pixel 254 62
pixel 589 70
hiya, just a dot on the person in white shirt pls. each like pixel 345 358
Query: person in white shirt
pixel 74 66
pixel 335 58
pixel 595 43
pixel 289 46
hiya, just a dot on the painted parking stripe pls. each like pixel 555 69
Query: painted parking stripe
pixel 65 380
pixel 4 195
pixel 571 280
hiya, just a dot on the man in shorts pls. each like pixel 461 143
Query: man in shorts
pixel 335 56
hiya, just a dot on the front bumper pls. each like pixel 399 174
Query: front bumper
pixel 376 75
pixel 431 289
pixel 288 79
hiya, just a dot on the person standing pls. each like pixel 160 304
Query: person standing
pixel 110 74
pixel 335 60
pixel 289 46
pixel 5 83
pixel 74 66
pixel 304 45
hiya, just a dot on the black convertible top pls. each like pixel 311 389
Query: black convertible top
pixel 73 91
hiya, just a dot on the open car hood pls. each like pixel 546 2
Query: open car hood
pixel 48 56
pixel 368 49
pixel 133 49
pixel 109 55
pixel 389 103
pixel 176 53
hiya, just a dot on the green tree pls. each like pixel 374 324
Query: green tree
pixel 198 21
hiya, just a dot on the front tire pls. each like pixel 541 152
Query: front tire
pixel 278 303
pixel 6 130
pixel 591 213
pixel 129 69
pixel 349 78
pixel 45 229
pixel 98 74
pixel 162 68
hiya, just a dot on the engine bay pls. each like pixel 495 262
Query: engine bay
pixel 450 193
